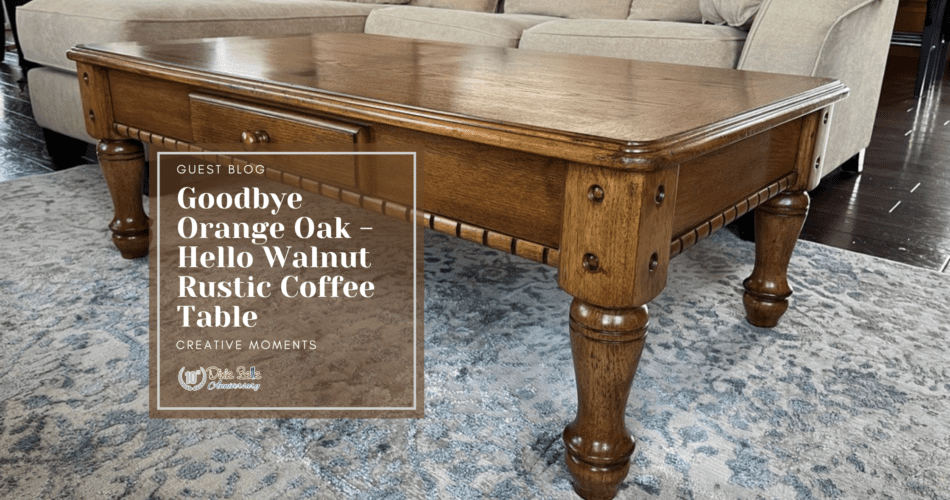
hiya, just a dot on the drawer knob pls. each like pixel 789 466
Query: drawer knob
pixel 252 140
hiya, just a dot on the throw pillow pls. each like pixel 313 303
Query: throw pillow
pixel 738 13
pixel 475 5
pixel 574 9
pixel 686 11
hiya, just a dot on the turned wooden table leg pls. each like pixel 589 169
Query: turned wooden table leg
pixel 123 164
pixel 778 223
pixel 615 253
pixel 606 344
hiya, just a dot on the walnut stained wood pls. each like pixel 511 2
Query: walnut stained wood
pixel 601 167
pixel 606 344
pixel 122 166
pixel 531 93
pixel 777 225
pixel 221 121
pixel 532 251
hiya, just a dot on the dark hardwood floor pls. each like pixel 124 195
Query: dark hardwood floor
pixel 21 141
pixel 898 208
pixel 22 149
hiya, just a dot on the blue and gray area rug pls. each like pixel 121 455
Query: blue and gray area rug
pixel 848 398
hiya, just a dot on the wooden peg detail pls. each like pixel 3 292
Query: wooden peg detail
pixel 615 241
pixel 811 148
pixel 97 101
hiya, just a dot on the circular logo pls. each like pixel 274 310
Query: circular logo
pixel 189 380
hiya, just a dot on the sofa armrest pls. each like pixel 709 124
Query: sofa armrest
pixel 790 37
pixel 843 39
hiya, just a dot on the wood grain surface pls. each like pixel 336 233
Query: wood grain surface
pixel 622 113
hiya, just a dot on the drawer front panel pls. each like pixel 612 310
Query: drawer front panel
pixel 220 121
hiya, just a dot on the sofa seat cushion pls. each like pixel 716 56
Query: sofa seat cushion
pixel 475 28
pixel 686 11
pixel 572 9
pixel 49 28
pixel 476 5
pixel 659 41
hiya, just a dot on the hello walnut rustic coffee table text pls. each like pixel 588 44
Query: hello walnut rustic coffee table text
pixel 602 168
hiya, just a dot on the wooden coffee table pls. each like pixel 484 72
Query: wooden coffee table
pixel 602 168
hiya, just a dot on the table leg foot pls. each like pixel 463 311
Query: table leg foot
pixel 778 223
pixel 123 165
pixel 606 345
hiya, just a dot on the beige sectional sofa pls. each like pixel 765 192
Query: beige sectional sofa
pixel 843 39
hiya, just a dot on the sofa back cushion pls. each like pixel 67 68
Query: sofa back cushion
pixel 573 9
pixel 475 5
pixel 738 13
pixel 667 10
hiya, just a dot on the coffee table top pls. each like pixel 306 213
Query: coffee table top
pixel 627 107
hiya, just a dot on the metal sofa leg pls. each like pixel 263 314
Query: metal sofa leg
pixel 855 164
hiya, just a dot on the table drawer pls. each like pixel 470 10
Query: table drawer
pixel 217 121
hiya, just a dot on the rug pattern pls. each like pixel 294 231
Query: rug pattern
pixel 846 398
